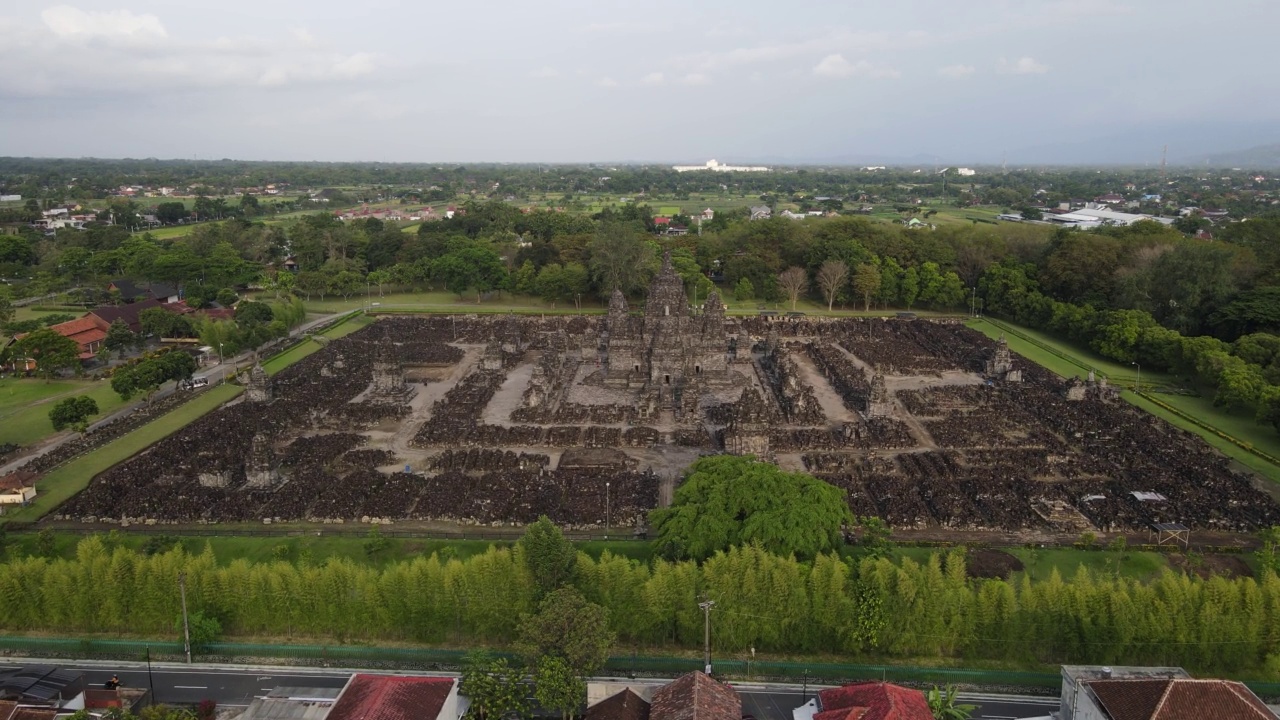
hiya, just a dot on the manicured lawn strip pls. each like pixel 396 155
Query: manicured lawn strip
pixel 1240 427
pixel 1085 359
pixel 26 419
pixel 1228 448
pixel 305 348
pixel 64 482
pixel 1040 563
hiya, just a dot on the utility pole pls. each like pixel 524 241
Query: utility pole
pixel 706 633
pixel 1164 157
pixel 150 680
pixel 186 628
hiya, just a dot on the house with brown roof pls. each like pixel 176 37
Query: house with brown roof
pixel 867 701
pixel 396 697
pixel 129 314
pixel 18 487
pixel 695 696
pixel 1154 694
pixel 624 705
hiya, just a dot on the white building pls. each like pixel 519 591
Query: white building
pixel 966 172
pixel 715 166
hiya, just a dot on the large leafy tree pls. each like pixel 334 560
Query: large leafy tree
pixel 570 627
pixel 72 411
pixel 621 259
pixel 51 351
pixel 729 500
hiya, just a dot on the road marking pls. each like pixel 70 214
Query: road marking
pixel 190 687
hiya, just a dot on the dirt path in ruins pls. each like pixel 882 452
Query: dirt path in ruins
pixel 420 407
pixel 832 404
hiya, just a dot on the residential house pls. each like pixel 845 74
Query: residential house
pixel 396 697
pixel 87 333
pixel 708 215
pixel 624 705
pixel 1129 693
pixel 761 212
pixel 40 692
pixel 1109 199
pixel 695 696
pixel 292 703
pixel 866 701
pixel 132 292
pixel 17 488
pixel 107 314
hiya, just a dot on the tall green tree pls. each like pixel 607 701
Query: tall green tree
pixel 548 557
pixel 621 259
pixel 570 627
pixel 72 412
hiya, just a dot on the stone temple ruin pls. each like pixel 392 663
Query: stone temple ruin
pixel 494 420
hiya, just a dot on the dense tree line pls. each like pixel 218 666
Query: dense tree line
pixel 872 607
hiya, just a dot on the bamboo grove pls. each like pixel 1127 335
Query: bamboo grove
pixel 872 608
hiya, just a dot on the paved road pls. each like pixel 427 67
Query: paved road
pixel 231 685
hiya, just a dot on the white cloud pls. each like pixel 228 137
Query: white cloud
pixel 544 72
pixel 695 79
pixel 653 78
pixel 77 53
pixel 1022 66
pixel 836 66
pixel 65 21
pixel 354 66
pixel 607 82
pixel 956 71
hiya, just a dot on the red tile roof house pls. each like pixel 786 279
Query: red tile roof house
pixel 695 697
pixel 84 331
pixel 872 701
pixel 391 697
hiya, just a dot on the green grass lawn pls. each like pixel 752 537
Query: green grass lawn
pixel 1083 359
pixel 1040 563
pixel 64 482
pixel 25 404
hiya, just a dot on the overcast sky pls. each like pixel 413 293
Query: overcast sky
pixel 596 80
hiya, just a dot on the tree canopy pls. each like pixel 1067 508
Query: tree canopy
pixel 729 500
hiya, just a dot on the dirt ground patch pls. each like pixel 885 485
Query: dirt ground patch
pixel 991 564
pixel 1205 566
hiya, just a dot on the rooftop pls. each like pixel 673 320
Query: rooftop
pixel 872 701
pixel 625 705
pixel 1178 699
pixel 695 696
pixel 388 697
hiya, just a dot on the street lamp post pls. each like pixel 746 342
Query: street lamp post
pixel 1138 384
pixel 222 380
pixel 606 511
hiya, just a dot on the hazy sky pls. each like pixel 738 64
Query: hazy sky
pixel 594 80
